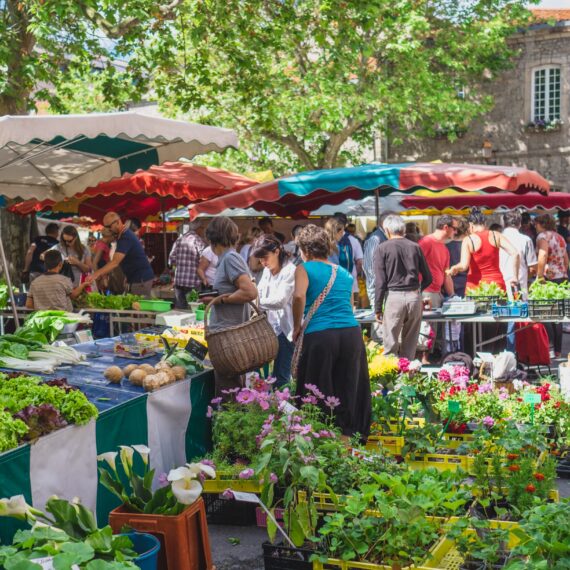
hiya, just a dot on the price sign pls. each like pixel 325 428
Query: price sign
pixel 409 391
pixel 453 406
pixel 532 398
pixel 197 349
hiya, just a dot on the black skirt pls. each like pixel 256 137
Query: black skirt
pixel 334 360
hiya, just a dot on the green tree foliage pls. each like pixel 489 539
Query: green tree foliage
pixel 300 79
pixel 48 43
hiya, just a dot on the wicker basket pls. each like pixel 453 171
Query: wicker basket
pixel 241 348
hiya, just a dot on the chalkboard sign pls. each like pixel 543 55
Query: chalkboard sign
pixel 197 349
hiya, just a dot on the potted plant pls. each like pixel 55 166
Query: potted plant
pixel 482 546
pixel 376 526
pixel 174 512
pixel 511 471
pixel 544 538
pixel 69 536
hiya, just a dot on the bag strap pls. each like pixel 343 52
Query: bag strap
pixel 314 308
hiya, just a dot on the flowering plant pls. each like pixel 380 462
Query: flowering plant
pixel 238 420
pixel 508 466
pixel 289 455
pixel 69 534
pixel 383 369
pixel 180 488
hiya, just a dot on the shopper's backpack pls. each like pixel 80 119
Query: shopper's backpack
pixel 345 254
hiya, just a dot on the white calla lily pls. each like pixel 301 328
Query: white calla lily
pixel 126 455
pixel 143 451
pixel 197 468
pixel 179 473
pixel 110 458
pixel 186 491
pixel 16 507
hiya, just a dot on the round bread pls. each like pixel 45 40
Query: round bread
pixel 137 376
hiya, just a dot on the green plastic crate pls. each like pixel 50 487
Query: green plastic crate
pixel 157 305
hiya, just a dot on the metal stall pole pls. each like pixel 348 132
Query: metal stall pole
pixel 8 279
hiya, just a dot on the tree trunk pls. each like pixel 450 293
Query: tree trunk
pixel 16 239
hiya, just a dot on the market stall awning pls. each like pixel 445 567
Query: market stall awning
pixel 492 201
pixel 54 157
pixel 302 193
pixel 147 192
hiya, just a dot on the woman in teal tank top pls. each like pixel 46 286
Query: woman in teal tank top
pixel 333 355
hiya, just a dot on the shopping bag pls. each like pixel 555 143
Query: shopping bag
pixel 532 344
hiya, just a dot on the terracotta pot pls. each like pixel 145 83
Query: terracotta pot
pixel 184 539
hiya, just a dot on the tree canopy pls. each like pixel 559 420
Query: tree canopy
pixel 47 43
pixel 308 82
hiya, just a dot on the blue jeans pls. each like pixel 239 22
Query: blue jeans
pixel 282 364
pixel 511 337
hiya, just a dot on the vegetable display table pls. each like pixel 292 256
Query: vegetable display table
pixel 171 421
pixel 117 317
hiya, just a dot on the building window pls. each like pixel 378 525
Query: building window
pixel 546 95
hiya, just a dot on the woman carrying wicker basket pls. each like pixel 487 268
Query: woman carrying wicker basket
pixel 234 285
pixel 330 352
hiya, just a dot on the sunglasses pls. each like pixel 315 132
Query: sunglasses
pixel 109 226
pixel 69 241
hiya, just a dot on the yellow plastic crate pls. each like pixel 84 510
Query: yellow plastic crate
pixel 225 481
pixel 394 426
pixel 454 440
pixel 333 563
pixel 392 444
pixel 439 461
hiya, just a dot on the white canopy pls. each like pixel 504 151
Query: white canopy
pixel 57 156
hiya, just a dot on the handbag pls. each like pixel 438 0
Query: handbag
pixel 314 307
pixel 67 270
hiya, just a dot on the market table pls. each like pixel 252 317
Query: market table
pixel 138 319
pixel 171 421
pixel 366 317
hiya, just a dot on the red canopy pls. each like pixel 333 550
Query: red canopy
pixel 148 192
pixel 491 201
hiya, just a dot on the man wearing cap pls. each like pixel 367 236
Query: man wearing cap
pixel 129 255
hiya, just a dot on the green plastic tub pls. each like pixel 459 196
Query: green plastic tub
pixel 155 305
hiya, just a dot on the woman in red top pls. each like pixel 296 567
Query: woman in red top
pixel 480 254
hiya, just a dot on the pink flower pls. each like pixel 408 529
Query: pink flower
pixel 216 401
pixel 246 473
pixel 283 395
pixel 488 421
pixel 326 433
pixel 443 375
pixel 209 412
pixel 231 391
pixel 404 365
pixel 309 400
pixel 163 479
pixel 483 388
pixel 312 388
pixel 208 462
pixel 503 393
pixel 332 402
pixel 228 494
pixel 246 396
pixel 273 478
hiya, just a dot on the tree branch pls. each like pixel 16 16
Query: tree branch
pixel 294 144
pixel 336 140
pixel 115 31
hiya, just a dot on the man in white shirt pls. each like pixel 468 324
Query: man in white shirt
pixel 528 261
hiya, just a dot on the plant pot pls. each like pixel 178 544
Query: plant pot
pixel 147 547
pixel 281 557
pixel 199 314
pixel 184 539
pixel 489 513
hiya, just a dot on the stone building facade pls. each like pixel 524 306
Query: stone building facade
pixel 529 124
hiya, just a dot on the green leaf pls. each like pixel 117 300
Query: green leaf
pixel 271 527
